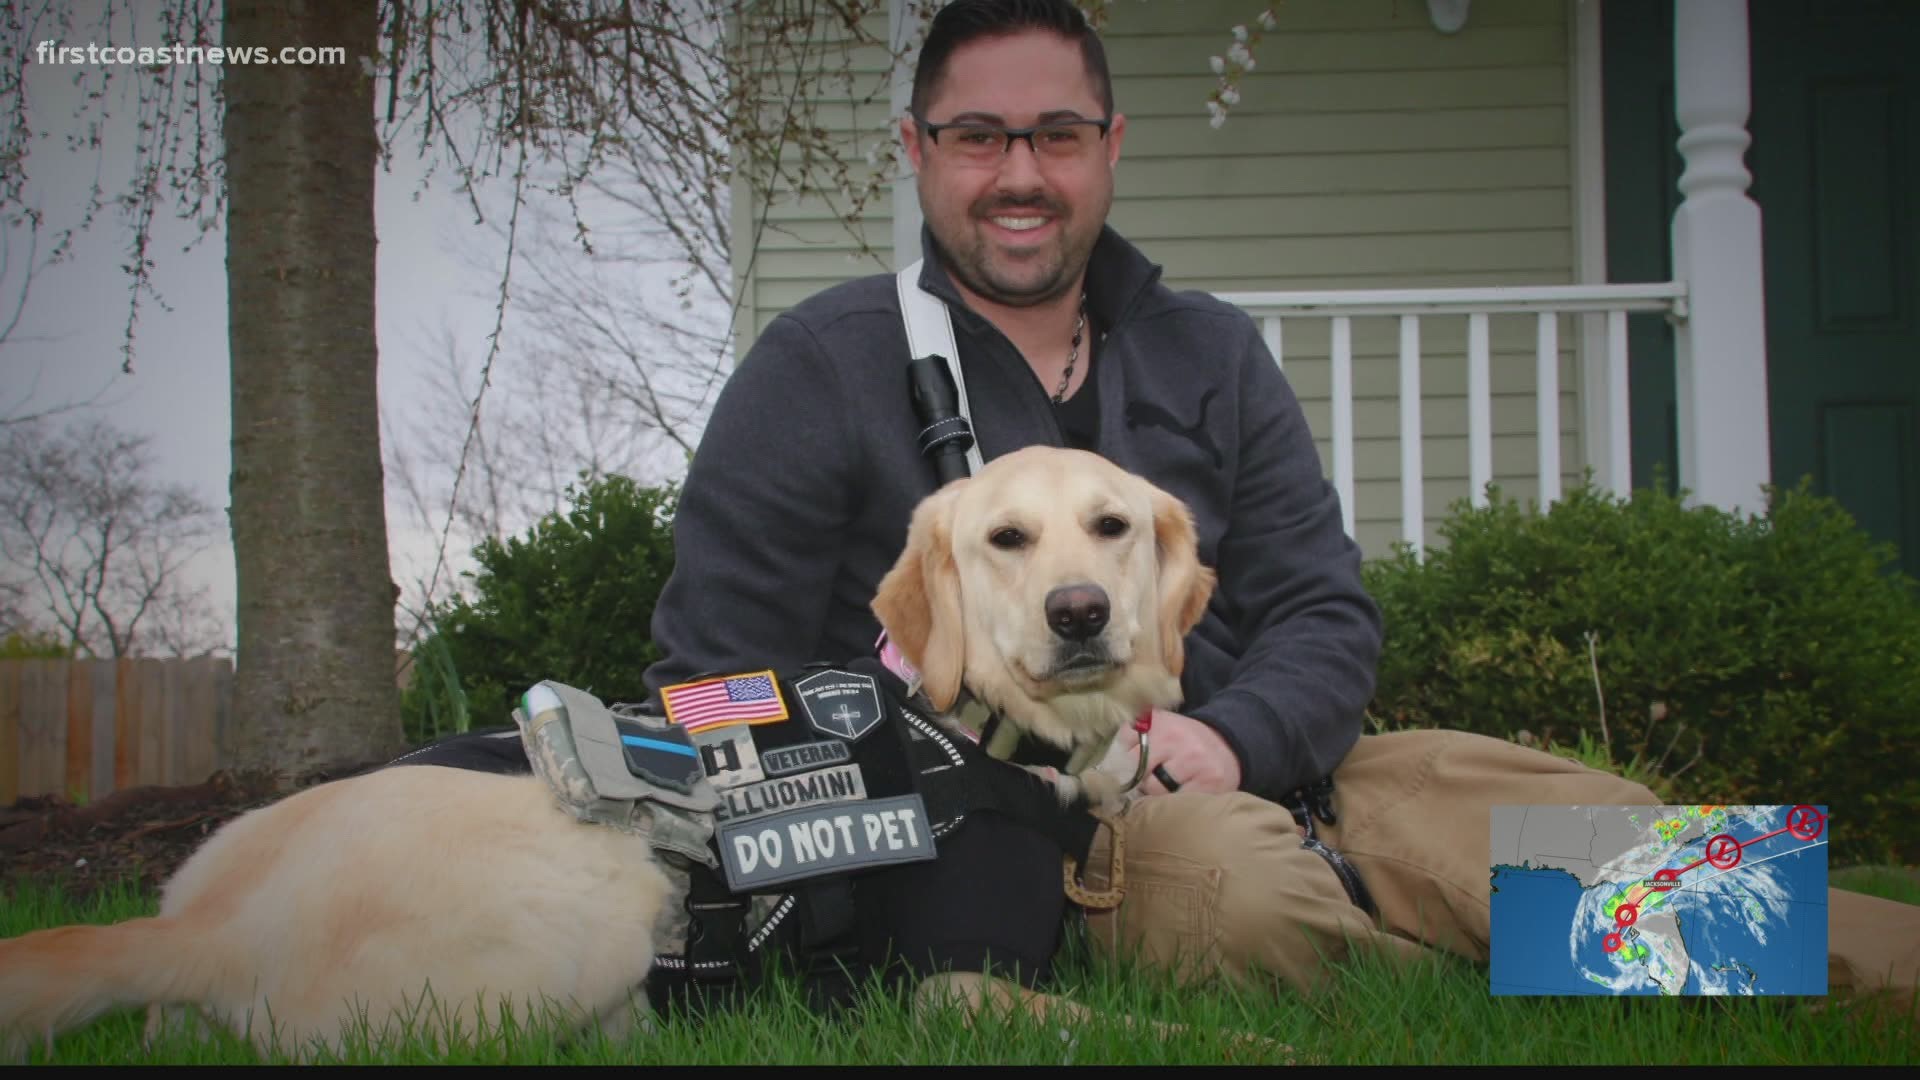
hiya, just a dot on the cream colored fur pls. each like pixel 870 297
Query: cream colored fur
pixel 357 898
pixel 961 599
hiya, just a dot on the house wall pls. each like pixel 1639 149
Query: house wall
pixel 1368 150
pixel 796 245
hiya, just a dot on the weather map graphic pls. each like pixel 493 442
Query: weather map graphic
pixel 1664 900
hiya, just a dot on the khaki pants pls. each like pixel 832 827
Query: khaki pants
pixel 1219 884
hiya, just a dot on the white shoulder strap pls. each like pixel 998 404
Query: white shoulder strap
pixel 930 333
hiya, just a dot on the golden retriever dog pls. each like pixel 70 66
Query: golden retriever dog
pixel 357 898
pixel 1054 589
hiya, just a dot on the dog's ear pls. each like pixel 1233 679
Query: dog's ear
pixel 1185 583
pixel 918 602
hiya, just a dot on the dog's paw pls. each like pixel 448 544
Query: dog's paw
pixel 1067 788
pixel 1103 792
pixel 1092 790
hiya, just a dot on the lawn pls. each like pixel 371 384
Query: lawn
pixel 1438 1014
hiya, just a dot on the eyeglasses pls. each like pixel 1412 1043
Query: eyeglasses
pixel 978 143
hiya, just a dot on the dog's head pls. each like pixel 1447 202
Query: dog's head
pixel 1049 573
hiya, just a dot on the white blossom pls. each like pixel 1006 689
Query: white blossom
pixel 1219 65
pixel 1240 33
pixel 1267 21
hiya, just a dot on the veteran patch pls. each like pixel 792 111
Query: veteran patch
pixel 842 783
pixel 782 760
pixel 820 840
pixel 840 703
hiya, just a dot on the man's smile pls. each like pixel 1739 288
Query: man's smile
pixel 1019 224
pixel 1022 228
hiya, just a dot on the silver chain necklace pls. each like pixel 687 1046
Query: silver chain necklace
pixel 1066 377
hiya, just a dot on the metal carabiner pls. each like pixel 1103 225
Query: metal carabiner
pixel 1141 724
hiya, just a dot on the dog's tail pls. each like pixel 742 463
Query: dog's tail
pixel 54 980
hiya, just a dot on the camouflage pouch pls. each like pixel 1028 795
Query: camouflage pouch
pixel 633 772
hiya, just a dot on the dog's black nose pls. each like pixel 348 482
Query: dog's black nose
pixel 1077 612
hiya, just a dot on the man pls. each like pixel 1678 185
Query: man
pixel 798 499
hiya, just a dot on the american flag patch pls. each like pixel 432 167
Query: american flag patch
pixel 735 699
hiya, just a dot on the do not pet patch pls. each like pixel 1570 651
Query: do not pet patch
pixel 817 840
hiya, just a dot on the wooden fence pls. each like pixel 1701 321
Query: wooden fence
pixel 82 729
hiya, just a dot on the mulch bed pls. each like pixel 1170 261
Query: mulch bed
pixel 139 834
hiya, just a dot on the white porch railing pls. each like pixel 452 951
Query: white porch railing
pixel 1545 303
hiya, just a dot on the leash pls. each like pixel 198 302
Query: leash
pixel 1116 890
pixel 1315 800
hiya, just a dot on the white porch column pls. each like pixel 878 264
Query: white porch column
pixel 904 24
pixel 1721 348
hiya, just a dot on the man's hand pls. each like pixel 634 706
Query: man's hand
pixel 1192 753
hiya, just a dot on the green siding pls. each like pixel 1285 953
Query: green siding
pixel 795 245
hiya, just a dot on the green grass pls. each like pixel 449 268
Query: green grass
pixel 1886 882
pixel 1439 1012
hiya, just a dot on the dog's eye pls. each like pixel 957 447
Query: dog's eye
pixel 1110 526
pixel 1007 539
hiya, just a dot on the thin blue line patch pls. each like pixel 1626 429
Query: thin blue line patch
pixel 659 744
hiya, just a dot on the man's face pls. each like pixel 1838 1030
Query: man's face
pixel 1015 228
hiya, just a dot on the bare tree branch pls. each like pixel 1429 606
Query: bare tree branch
pixel 102 547
pixel 18 269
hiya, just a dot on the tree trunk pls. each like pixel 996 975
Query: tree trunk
pixel 315 680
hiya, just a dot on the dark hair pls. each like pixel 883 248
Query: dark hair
pixel 964 21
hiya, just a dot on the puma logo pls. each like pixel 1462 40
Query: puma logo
pixel 1151 415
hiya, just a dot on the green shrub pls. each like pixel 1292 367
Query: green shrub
pixel 34 645
pixel 1759 660
pixel 570 601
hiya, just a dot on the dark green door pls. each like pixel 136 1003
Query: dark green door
pixel 1835 125
pixel 1836 109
